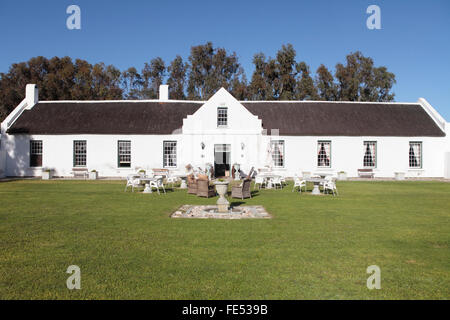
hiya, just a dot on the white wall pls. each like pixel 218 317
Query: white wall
pixel 301 153
pixel 347 155
pixel 146 152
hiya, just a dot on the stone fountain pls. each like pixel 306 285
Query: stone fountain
pixel 222 209
pixel 222 189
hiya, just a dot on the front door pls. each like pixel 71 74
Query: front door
pixel 222 156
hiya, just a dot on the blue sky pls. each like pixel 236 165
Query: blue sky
pixel 414 41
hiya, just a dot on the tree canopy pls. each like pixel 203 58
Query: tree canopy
pixel 206 70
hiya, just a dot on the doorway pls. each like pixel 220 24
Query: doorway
pixel 222 156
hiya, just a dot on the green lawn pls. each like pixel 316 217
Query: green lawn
pixel 314 247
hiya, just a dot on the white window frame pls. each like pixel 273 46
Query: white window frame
pixel 173 145
pixel 79 155
pixel 279 159
pixel 374 154
pixel 329 159
pixel 413 144
pixel 222 118
pixel 36 148
pixel 123 153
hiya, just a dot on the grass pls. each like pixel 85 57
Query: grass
pixel 314 248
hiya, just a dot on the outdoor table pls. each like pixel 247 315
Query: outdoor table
pixel 183 178
pixel 146 181
pixel 323 175
pixel 268 177
pixel 317 182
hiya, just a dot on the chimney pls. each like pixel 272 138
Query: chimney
pixel 31 95
pixel 163 92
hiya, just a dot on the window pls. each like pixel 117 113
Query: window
pixel 277 153
pixel 415 154
pixel 370 154
pixel 324 154
pixel 124 154
pixel 79 153
pixel 35 153
pixel 170 154
pixel 222 116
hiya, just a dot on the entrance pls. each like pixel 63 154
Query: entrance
pixel 222 156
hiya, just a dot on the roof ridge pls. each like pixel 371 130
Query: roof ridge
pixel 121 101
pixel 242 102
pixel 325 101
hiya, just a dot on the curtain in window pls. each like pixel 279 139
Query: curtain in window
pixel 277 153
pixel 369 156
pixel 323 156
pixel 281 151
pixel 414 155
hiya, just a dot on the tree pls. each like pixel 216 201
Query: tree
pixel 207 70
pixel 306 89
pixel 132 84
pixel 274 79
pixel 259 88
pixel 153 76
pixel 359 80
pixel 287 72
pixel 239 86
pixel 210 69
pixel 58 79
pixel 177 78
pixel 325 84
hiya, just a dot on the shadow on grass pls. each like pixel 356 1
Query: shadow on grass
pixel 236 203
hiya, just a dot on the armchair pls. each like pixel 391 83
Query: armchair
pixel 192 184
pixel 204 189
pixel 242 191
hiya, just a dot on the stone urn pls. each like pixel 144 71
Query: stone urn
pixel 342 175
pixel 93 175
pixel 399 175
pixel 47 174
pixel 222 189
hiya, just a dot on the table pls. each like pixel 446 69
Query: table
pixel 183 178
pixel 147 188
pixel 268 176
pixel 317 182
pixel 323 175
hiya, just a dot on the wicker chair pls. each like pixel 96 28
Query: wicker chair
pixel 204 189
pixel 242 191
pixel 192 184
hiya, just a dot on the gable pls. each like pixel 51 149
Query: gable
pixel 239 118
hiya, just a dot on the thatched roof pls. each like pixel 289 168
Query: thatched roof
pixel 345 119
pixel 104 118
pixel 291 118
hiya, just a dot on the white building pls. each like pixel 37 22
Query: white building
pixel 116 137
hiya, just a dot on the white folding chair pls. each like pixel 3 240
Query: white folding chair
pixel 260 181
pixel 330 185
pixel 299 183
pixel 133 182
pixel 157 183
pixel 170 179
pixel 276 181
